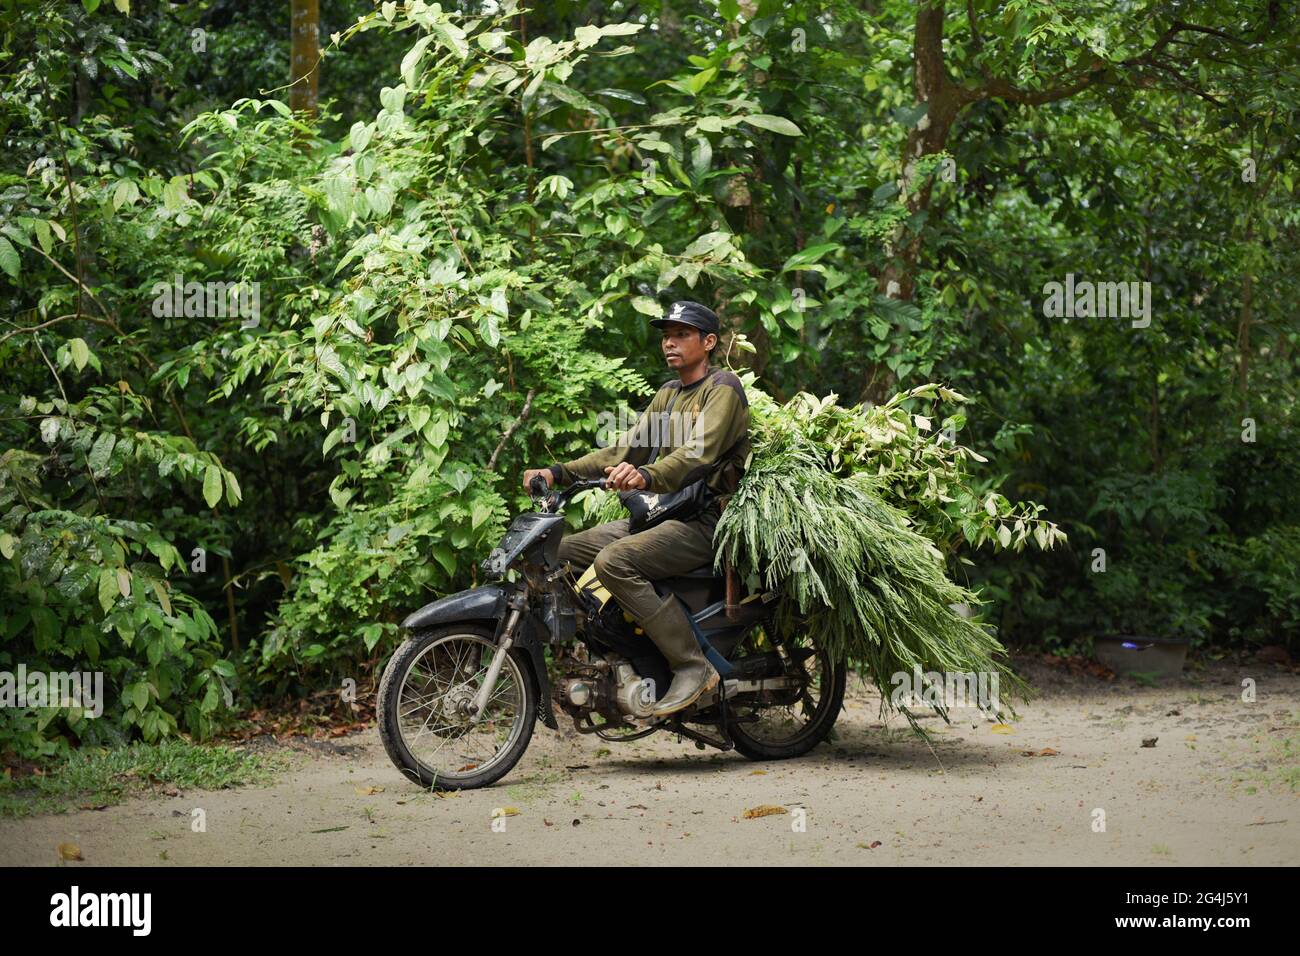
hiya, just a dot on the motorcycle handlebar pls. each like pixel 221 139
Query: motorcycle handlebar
pixel 538 488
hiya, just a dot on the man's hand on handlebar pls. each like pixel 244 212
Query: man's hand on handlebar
pixel 543 473
pixel 624 477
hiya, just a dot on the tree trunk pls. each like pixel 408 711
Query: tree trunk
pixel 929 136
pixel 304 25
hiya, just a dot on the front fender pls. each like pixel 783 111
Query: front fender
pixel 486 603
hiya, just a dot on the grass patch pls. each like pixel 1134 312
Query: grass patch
pixel 97 777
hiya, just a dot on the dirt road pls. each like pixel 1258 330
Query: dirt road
pixel 1218 787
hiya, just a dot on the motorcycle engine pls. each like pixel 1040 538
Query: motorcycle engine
pixel 611 688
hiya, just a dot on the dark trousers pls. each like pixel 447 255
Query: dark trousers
pixel 626 563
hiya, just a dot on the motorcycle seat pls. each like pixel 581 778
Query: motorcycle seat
pixel 704 571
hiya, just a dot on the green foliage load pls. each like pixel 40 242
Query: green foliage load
pixel 839 509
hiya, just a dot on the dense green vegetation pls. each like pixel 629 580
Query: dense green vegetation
pixel 447 271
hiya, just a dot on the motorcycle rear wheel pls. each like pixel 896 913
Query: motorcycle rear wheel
pixel 780 732
pixel 429 681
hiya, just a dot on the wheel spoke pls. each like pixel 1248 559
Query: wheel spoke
pixel 784 722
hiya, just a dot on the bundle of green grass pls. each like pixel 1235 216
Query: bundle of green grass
pixel 853 514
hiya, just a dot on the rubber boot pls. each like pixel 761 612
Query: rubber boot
pixel 672 633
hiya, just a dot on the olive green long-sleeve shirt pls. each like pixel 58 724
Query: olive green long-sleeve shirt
pixel 706 433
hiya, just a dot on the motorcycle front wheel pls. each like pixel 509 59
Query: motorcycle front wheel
pixel 425 714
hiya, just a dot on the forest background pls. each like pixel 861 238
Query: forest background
pixel 429 262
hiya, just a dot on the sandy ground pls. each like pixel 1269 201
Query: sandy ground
pixel 1216 789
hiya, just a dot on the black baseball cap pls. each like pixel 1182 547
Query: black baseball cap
pixel 693 314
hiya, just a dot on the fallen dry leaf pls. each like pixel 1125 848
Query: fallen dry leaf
pixel 755 773
pixel 1002 729
pixel 70 851
pixel 368 791
pixel 1149 741
pixel 765 810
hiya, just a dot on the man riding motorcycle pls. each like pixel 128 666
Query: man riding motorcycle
pixel 713 448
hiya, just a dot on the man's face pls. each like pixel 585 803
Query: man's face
pixel 684 345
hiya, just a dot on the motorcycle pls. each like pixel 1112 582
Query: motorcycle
pixel 459 699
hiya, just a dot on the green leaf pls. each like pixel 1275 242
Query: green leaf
pixel 107 589
pixel 444 556
pixel 8 257
pixel 418 415
pixel 701 157
pixel 101 451
pixel 80 352
pixel 43 234
pixel 412 60
pixel 631 97
pixel 360 135
pixel 700 80
pixel 435 433
pixel 233 494
pixel 341 496
pixel 164 601
pixel 139 695
pixel 706 244
pixel 647 306
pixel 774 124
pixel 7 545
pixel 806 257
pixel 125 192
pixel 393 97
pixel 212 485
pixel 452 36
